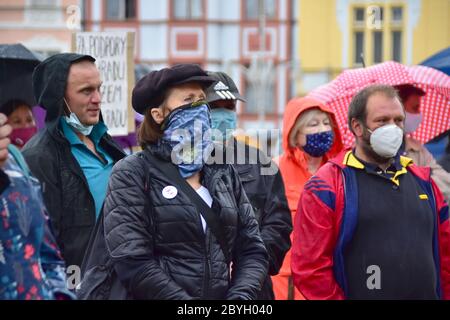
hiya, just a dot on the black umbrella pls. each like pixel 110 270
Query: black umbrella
pixel 17 52
pixel 16 68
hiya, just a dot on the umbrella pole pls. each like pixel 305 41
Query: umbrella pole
pixel 362 60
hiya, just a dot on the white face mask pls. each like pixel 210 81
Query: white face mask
pixel 412 121
pixel 75 123
pixel 386 140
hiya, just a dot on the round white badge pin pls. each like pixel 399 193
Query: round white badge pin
pixel 169 192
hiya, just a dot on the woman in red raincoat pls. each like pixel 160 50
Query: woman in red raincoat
pixel 310 138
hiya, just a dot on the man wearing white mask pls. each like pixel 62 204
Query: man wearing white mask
pixel 370 224
pixel 74 155
pixel 410 97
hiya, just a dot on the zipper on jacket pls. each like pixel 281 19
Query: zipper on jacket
pixel 206 278
pixel 438 272
pixel 204 234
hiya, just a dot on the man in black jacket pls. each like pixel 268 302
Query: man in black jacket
pixel 259 175
pixel 73 157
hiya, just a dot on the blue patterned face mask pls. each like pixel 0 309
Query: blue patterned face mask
pixel 224 120
pixel 187 131
pixel 317 144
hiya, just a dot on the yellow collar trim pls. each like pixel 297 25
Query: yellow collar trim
pixel 351 161
pixel 405 161
pixel 394 179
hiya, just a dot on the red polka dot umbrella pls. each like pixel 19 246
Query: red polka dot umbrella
pixel 435 105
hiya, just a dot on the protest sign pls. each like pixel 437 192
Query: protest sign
pixel 113 52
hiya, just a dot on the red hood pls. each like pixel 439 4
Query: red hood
pixel 293 110
pixel 293 164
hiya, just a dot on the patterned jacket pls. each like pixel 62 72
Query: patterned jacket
pixel 31 267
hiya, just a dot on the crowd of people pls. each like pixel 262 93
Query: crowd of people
pixel 199 214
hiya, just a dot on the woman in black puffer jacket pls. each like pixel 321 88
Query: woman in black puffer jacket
pixel 158 243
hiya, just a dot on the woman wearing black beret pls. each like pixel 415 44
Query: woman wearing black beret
pixel 174 225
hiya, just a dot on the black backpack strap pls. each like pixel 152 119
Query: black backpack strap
pixel 211 218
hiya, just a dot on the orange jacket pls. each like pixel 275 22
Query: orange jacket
pixel 293 162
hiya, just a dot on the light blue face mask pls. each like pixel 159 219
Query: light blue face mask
pixel 75 123
pixel 224 120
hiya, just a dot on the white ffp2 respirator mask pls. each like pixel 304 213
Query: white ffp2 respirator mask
pixel 386 140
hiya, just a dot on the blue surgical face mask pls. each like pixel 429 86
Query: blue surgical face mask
pixel 224 120
pixel 187 131
pixel 317 144
pixel 75 123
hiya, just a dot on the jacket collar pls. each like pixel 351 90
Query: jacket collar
pixel 97 132
pixel 399 165
pixel 350 160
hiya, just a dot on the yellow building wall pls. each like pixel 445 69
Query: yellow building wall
pixel 432 32
pixel 320 38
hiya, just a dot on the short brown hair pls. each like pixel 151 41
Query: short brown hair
pixel 358 106
pixel 149 131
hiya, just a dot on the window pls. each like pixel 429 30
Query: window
pixel 378 47
pixel 359 15
pixel 397 14
pixel 188 9
pixel 45 12
pixel 120 9
pixel 359 46
pixel 397 46
pixel 43 4
pixel 377 33
pixel 252 9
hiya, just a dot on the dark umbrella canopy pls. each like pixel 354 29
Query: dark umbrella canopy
pixel 17 52
pixel 16 67
pixel 440 61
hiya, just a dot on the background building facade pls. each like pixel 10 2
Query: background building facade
pixel 44 26
pixel 334 33
pixel 218 35
pixel 273 49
